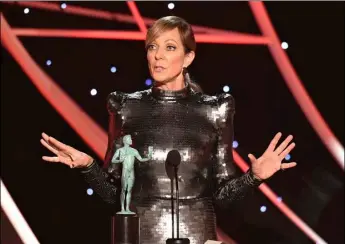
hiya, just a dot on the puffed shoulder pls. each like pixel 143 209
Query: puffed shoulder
pixel 114 101
pixel 226 99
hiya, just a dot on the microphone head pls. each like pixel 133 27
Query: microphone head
pixel 173 158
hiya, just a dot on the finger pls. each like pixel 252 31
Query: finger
pixel 274 142
pixel 251 158
pixel 58 144
pixel 56 160
pixel 51 159
pixel 288 165
pixel 284 144
pixel 287 151
pixel 50 148
pixel 46 139
pixel 45 136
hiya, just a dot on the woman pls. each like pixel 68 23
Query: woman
pixel 175 114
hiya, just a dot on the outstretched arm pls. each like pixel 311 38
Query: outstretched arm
pixel 77 159
pixel 229 186
pixel 96 175
pixel 137 155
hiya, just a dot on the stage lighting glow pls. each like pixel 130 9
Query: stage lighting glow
pixel 263 209
pixel 113 69
pixel 93 92
pixel 226 88
pixel 148 82
pixel 285 45
pixel 235 144
pixel 288 157
pixel 49 62
pixel 171 6
pixel 26 10
pixel 38 81
pixel 15 217
pixel 89 191
pixel 63 5
pixel 280 199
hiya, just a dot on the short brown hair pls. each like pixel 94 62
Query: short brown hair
pixel 169 23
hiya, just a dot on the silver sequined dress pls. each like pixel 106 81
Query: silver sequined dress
pixel 200 127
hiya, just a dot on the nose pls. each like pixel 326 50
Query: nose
pixel 159 53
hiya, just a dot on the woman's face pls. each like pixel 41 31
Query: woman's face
pixel 166 57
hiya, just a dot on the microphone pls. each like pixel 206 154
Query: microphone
pixel 173 158
pixel 172 162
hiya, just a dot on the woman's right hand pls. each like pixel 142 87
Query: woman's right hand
pixel 65 154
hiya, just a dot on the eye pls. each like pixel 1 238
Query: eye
pixel 171 48
pixel 151 47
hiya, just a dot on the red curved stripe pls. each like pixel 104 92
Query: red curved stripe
pixel 84 125
pixel 295 85
pixel 113 16
pixel 138 36
pixel 135 11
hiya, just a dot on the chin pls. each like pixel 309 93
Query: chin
pixel 160 78
pixel 164 77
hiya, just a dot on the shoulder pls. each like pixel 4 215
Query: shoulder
pixel 114 100
pixel 220 100
pixel 117 98
pixel 135 151
pixel 225 108
pixel 226 99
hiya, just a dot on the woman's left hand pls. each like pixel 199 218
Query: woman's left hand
pixel 271 161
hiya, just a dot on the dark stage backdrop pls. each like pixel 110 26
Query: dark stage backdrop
pixel 53 197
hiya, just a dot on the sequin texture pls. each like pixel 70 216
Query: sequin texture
pixel 200 127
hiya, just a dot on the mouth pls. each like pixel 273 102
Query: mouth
pixel 158 68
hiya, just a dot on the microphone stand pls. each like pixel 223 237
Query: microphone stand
pixel 178 204
pixel 172 209
pixel 177 240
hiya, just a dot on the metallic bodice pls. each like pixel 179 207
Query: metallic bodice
pixel 200 127
pixel 189 122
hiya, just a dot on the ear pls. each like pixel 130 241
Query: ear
pixel 188 58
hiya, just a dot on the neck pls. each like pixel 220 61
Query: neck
pixel 175 84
